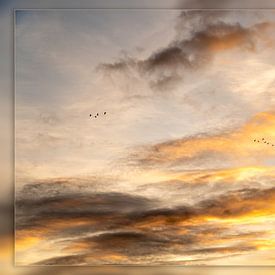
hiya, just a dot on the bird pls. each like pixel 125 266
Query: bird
pixel 97 114
pixel 263 140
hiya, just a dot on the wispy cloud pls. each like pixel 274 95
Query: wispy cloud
pixel 98 225
pixel 204 147
pixel 166 67
pixel 172 174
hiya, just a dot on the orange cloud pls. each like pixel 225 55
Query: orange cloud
pixel 238 143
pixel 230 175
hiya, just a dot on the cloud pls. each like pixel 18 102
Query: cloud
pixel 128 243
pixel 193 48
pixel 211 149
pixel 239 203
pixel 217 195
pixel 64 260
pixel 84 211
pixel 233 204
pixel 116 227
pixel 96 228
pixel 50 119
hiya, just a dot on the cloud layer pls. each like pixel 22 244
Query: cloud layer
pixel 171 175
pixel 192 50
pixel 98 228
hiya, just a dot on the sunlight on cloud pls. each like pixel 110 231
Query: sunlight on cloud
pixel 179 171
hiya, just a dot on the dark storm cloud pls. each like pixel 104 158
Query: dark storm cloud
pixel 192 49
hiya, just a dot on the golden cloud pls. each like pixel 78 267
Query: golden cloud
pixel 238 144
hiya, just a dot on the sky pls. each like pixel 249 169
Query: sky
pixel 171 174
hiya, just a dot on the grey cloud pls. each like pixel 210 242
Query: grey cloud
pixel 130 243
pixel 101 211
pixel 191 50
pixel 64 260
pixel 137 245
pixel 64 186
pixel 233 249
pixel 127 210
pixel 123 224
pixel 48 118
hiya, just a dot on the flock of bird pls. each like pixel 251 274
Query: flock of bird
pixel 255 140
pixel 264 141
pixel 97 114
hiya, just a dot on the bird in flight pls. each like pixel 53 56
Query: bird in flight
pixel 97 114
pixel 264 141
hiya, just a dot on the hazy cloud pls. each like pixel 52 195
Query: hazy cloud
pixel 200 35
pixel 99 225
